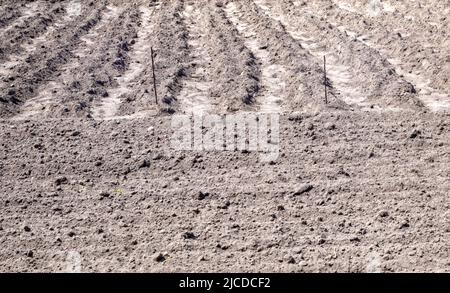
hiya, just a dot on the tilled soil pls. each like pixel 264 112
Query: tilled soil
pixel 88 169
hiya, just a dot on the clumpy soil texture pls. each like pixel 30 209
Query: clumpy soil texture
pixel 92 182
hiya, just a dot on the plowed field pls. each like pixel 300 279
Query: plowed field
pixel 87 169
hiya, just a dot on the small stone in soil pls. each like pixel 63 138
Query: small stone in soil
pixel 104 194
pixel 144 164
pixel 404 225
pixel 303 189
pixel 384 214
pixel 202 195
pixel 60 181
pixel 159 257
pixel 415 133
pixel 189 235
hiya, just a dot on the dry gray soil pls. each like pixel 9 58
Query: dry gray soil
pixel 90 180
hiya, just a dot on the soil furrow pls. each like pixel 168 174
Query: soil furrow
pixel 415 59
pixel 339 74
pixel 361 77
pixel 9 13
pixel 194 95
pixel 16 17
pixel 101 67
pixel 139 61
pixel 235 87
pixel 85 82
pixel 38 86
pixel 303 75
pixel 171 50
pixel 411 18
pixel 37 18
pixel 168 37
pixel 273 75
pixel 7 67
pixel 214 41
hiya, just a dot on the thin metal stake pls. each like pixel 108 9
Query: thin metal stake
pixel 154 76
pixel 325 78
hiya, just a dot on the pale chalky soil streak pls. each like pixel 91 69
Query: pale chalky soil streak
pixel 140 58
pixel 432 98
pixel 273 75
pixel 47 93
pixel 339 74
pixel 194 95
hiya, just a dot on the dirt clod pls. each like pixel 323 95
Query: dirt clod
pixel 415 133
pixel 383 214
pixel 60 181
pixel 202 195
pixel 159 257
pixel 302 189
pixel 189 235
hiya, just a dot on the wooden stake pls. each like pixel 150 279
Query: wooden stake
pixel 154 76
pixel 325 78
